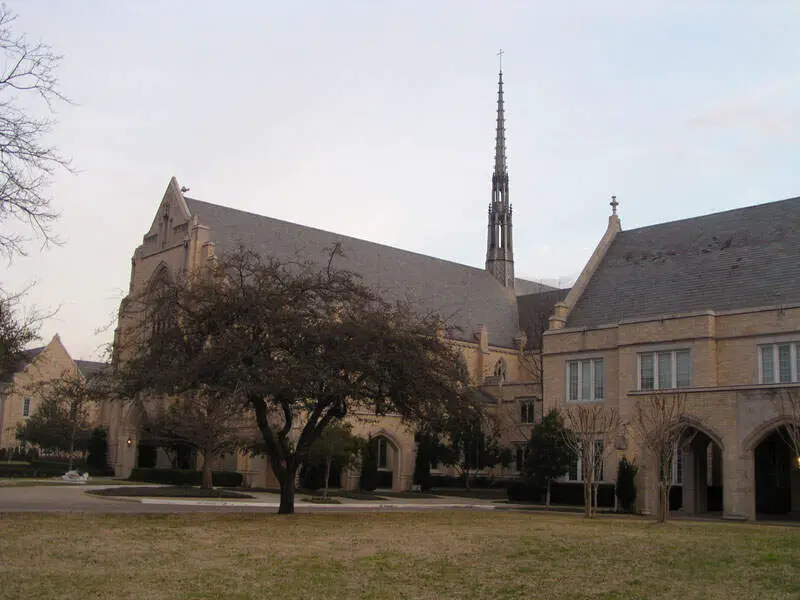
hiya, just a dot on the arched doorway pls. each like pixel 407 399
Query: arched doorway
pixel 777 476
pixel 698 473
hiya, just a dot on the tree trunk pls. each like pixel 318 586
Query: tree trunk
pixel 287 494
pixel 547 496
pixel 207 481
pixel 327 477
pixel 587 498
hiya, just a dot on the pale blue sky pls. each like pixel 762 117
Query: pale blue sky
pixel 376 119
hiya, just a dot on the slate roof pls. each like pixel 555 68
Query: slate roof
pixel 737 259
pixel 464 296
pixel 534 314
pixel 90 368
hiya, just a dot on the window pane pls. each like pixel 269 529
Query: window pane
pixel 573 381
pixel 784 362
pixel 796 362
pixel 598 379
pixel 646 371
pixel 586 380
pixel 767 365
pixel 683 369
pixel 664 370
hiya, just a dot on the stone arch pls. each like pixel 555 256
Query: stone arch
pixel 161 275
pixel 776 479
pixel 763 431
pixel 394 464
pixel 701 469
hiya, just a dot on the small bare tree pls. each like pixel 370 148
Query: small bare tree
pixel 787 401
pixel 591 433
pixel 659 421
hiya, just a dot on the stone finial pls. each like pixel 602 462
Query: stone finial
pixel 614 205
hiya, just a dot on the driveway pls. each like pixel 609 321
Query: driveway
pixel 72 498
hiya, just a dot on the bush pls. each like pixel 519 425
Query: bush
pixel 626 484
pixel 185 477
pixel 43 471
pixel 523 490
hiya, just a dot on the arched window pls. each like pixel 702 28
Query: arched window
pixel 501 370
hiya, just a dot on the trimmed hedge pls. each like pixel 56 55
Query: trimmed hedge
pixel 43 471
pixel 185 477
pixel 566 493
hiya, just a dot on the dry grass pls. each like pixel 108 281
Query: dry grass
pixel 391 555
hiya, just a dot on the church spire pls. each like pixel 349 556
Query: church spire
pixel 499 243
pixel 500 166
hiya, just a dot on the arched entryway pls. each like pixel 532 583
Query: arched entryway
pixel 698 473
pixel 777 476
pixel 388 457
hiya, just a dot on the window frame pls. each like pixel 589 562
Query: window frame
pixel 592 387
pixel 26 408
pixel 794 361
pixel 655 356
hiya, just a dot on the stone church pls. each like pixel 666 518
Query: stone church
pixel 492 315
pixel 708 307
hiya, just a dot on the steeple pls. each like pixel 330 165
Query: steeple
pixel 499 244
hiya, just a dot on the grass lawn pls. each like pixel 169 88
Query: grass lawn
pixel 391 555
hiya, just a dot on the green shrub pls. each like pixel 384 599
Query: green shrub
pixel 626 484
pixel 27 470
pixel 185 477
pixel 523 490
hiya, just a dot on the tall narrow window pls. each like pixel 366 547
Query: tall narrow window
pixel 26 407
pixel 382 448
pixel 585 380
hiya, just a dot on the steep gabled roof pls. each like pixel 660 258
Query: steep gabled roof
pixel 737 259
pixel 90 368
pixel 464 296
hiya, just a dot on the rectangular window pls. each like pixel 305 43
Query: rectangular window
pixel 26 407
pixel 585 380
pixel 779 363
pixel 576 469
pixel 664 370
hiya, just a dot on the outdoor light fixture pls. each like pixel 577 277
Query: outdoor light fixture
pixel 129 442
pixel 798 462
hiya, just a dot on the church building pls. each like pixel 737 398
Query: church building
pixel 491 315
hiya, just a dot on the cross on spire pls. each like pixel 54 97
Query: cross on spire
pixel 614 204
pixel 500 54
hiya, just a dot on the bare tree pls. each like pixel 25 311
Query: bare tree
pixel 787 401
pixel 17 330
pixel 659 421
pixel 26 160
pixel 591 433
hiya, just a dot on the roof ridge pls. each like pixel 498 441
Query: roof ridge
pixel 350 237
pixel 712 214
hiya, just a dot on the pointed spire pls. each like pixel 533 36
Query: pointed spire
pixel 500 166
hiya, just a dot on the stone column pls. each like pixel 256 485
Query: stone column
pixel 690 481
